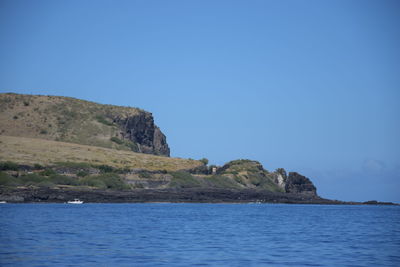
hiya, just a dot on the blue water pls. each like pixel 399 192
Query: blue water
pixel 198 234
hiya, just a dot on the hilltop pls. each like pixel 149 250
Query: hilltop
pixel 78 121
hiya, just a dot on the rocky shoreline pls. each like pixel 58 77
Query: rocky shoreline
pixel 62 195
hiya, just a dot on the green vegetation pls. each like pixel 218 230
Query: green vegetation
pixel 219 181
pixel 145 175
pixel 105 181
pixel 82 174
pixel 48 172
pixel 105 168
pixel 250 174
pixel 8 166
pixel 125 144
pixel 70 164
pixel 116 140
pixel 103 120
pixel 36 179
pixel 204 161
pixel 184 180
pixel 239 175
pixel 7 180
pixel 48 177
pixel 37 166
pixel 102 181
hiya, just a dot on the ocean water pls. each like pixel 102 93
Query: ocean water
pixel 198 235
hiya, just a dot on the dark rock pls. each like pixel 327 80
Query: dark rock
pixel 160 143
pixel 297 183
pixel 140 129
pixel 210 195
pixel 375 202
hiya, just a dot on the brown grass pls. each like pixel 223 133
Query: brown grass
pixel 29 151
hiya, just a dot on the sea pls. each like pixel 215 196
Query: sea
pixel 167 234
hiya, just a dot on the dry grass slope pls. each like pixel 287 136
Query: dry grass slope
pixel 29 151
pixel 62 119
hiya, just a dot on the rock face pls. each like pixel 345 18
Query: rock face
pixel 280 177
pixel 297 183
pixel 140 129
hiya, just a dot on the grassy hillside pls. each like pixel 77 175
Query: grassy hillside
pixel 77 121
pixel 31 151
pixel 250 174
pixel 14 151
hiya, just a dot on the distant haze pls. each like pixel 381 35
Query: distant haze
pixel 310 86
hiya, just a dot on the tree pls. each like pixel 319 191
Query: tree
pixel 204 160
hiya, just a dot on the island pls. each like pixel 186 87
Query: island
pixel 56 149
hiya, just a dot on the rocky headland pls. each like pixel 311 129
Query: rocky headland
pixel 55 149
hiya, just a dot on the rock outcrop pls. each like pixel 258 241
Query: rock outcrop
pixel 141 130
pixel 280 177
pixel 251 174
pixel 297 183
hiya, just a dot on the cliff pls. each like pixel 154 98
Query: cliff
pixel 82 122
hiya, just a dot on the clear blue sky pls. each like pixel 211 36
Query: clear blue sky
pixel 310 86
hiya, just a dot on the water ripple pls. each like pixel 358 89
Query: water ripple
pixel 198 235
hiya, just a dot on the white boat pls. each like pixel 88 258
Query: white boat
pixel 3 202
pixel 75 201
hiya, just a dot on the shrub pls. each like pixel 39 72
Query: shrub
pixel 204 160
pixel 8 166
pixel 113 181
pixel 182 179
pixel 32 178
pixel 48 172
pixel 122 170
pixel 37 166
pixel 63 180
pixel 105 168
pixel 6 179
pixel 144 174
pixel 46 184
pixel 116 140
pixel 105 181
pixel 132 145
pixel 222 182
pixel 103 120
pixel 93 181
pixel 82 174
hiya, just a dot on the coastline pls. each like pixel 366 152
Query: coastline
pixel 188 195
